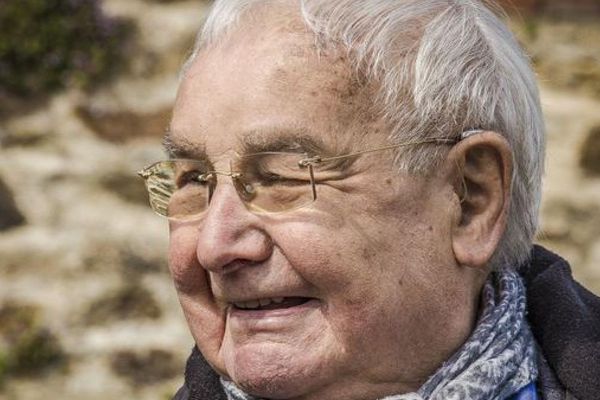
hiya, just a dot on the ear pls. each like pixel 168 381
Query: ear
pixel 482 169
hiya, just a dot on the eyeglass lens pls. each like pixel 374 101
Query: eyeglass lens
pixel 182 189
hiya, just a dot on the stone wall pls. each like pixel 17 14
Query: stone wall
pixel 87 309
pixel 557 8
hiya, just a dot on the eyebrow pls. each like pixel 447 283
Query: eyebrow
pixel 270 139
pixel 280 139
pixel 182 148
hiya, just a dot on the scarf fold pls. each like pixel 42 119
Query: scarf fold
pixel 495 362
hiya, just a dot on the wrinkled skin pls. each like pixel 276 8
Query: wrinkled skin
pixel 394 263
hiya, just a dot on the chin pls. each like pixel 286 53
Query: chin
pixel 272 371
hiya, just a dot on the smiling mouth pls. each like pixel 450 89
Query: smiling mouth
pixel 274 303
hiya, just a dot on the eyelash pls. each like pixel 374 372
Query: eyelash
pixel 269 179
pixel 188 177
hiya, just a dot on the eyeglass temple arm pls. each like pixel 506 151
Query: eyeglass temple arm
pixel 318 159
pixel 463 135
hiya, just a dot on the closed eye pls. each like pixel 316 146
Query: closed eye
pixel 271 179
pixel 194 177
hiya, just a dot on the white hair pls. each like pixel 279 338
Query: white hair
pixel 442 66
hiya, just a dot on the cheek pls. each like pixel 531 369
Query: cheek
pixel 188 276
pixel 362 259
pixel 340 261
pixel 204 316
pixel 322 251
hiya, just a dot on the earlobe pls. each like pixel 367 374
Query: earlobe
pixel 482 180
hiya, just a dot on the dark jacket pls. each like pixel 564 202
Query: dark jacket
pixel 564 317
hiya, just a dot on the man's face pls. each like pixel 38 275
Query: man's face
pixel 373 300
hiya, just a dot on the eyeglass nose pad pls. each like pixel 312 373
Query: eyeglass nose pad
pixel 211 188
pixel 245 189
pixel 235 179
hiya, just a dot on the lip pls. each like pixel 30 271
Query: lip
pixel 271 319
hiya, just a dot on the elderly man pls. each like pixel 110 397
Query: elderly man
pixel 352 192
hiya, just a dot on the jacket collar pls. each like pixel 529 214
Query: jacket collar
pixel 565 320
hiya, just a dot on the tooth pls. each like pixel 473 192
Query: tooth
pixel 252 304
pixel 240 305
pixel 277 299
pixel 264 302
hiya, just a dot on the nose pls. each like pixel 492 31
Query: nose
pixel 230 236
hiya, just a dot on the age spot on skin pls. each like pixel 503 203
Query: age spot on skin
pixel 368 253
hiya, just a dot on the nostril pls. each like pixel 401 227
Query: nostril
pixel 229 236
pixel 226 253
pixel 237 265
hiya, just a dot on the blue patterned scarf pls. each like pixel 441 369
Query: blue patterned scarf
pixel 497 360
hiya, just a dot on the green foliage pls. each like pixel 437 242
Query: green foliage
pixel 35 352
pixel 48 44
pixel 531 27
pixel 28 347
pixel 3 367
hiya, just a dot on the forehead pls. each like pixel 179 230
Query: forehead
pixel 265 82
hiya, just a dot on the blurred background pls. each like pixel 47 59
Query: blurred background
pixel 87 309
